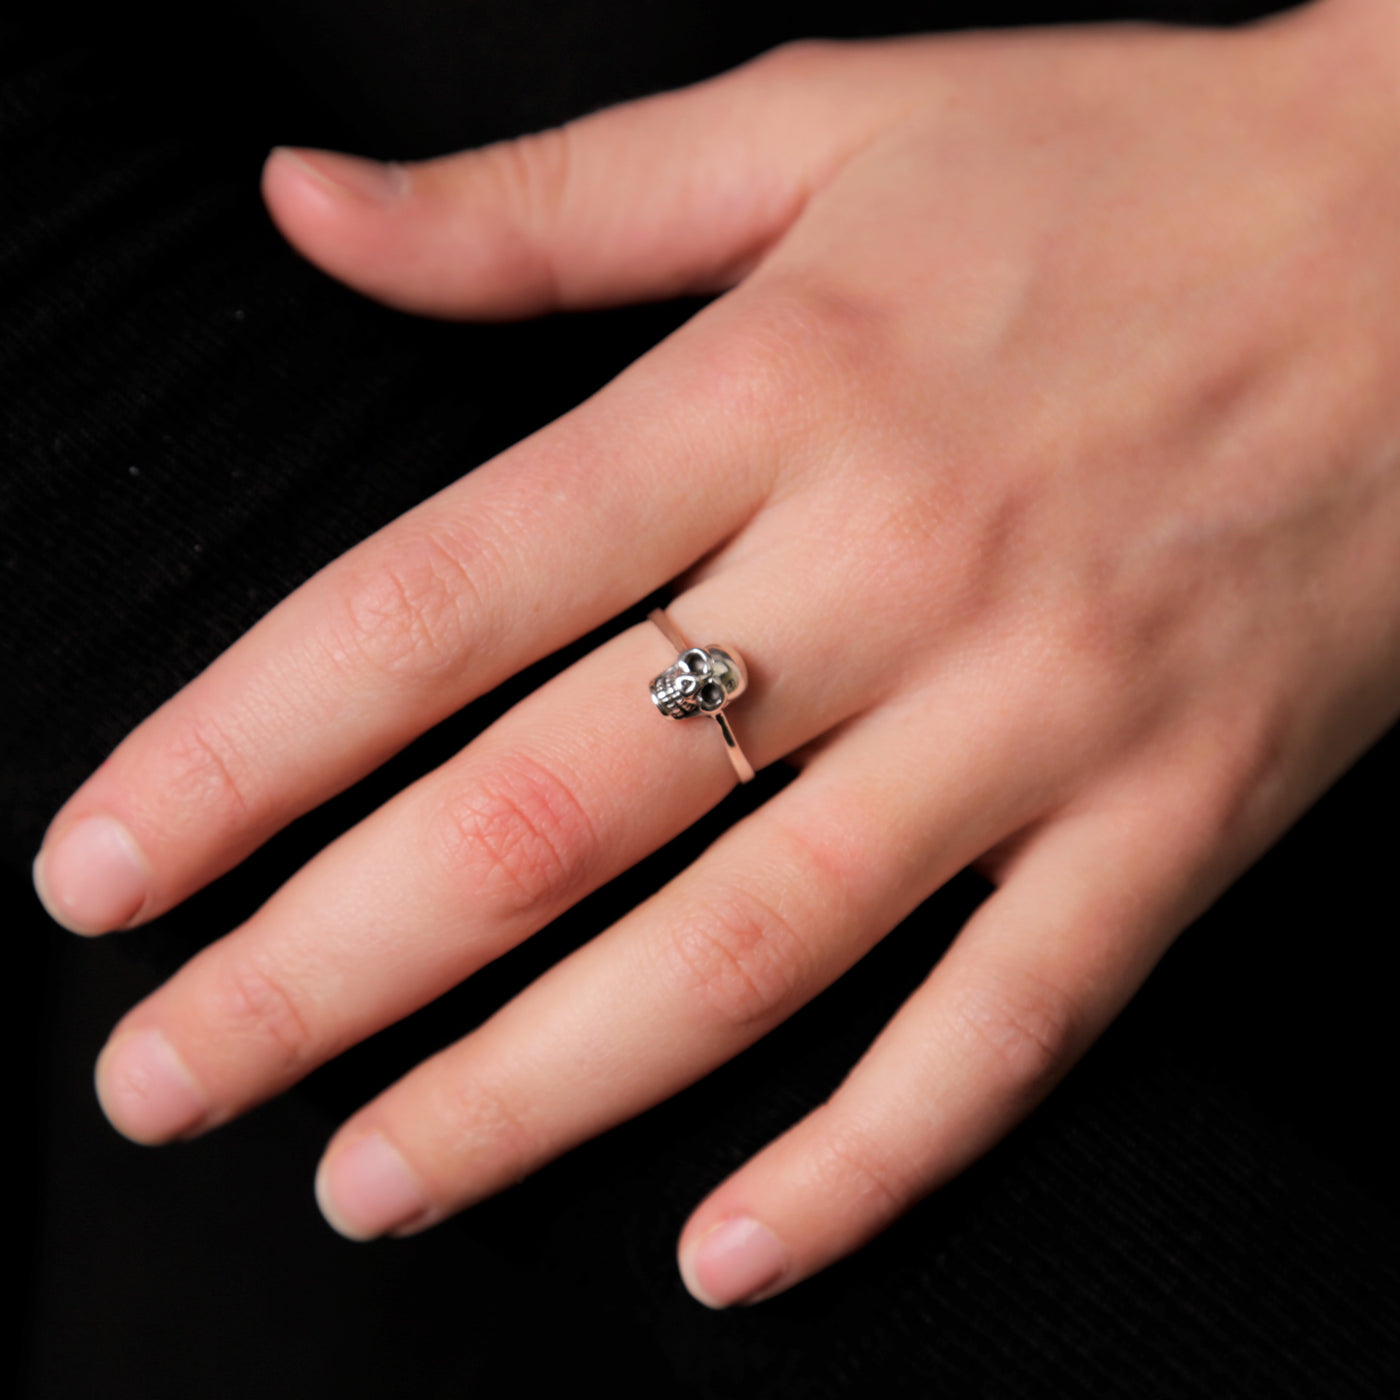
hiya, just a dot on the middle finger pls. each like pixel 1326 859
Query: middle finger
pixel 571 787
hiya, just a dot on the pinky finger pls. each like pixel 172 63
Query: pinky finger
pixel 1038 973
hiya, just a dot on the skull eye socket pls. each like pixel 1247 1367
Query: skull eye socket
pixel 696 660
pixel 711 696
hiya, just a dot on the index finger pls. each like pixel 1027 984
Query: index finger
pixel 528 552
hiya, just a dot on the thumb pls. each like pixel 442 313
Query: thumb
pixel 677 193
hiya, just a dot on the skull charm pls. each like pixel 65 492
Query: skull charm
pixel 702 682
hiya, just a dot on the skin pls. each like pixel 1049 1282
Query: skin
pixel 1065 361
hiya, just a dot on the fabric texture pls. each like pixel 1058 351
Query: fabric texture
pixel 194 421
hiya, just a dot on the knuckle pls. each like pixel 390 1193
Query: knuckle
pixel 1092 681
pixel 520 839
pixel 1225 790
pixel 805 348
pixel 533 173
pixel 1029 1029
pixel 476 1121
pixel 207 774
pixel 254 1003
pixel 797 59
pixel 529 178
pixel 737 955
pixel 854 1168
pixel 1109 629
pixel 410 611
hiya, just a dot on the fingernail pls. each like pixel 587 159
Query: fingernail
pixel 94 877
pixel 366 1189
pixel 733 1262
pixel 377 181
pixel 145 1089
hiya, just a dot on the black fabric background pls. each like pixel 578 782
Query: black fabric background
pixel 193 422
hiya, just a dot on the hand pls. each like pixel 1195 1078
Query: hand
pixel 1042 457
